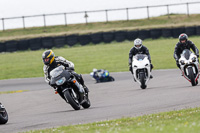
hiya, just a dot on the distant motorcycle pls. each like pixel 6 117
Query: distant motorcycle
pixel 72 90
pixel 102 76
pixel 141 69
pixel 3 115
pixel 189 66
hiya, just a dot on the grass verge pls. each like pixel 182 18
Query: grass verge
pixel 182 121
pixel 113 57
pixel 175 20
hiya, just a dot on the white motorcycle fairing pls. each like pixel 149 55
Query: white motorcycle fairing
pixel 189 66
pixel 141 69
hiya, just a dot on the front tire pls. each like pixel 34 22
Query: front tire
pixel 142 80
pixel 3 117
pixel 191 76
pixel 71 99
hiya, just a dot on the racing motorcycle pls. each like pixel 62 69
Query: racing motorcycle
pixel 141 69
pixel 3 115
pixel 72 91
pixel 189 66
pixel 102 77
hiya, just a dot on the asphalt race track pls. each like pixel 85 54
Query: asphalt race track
pixel 40 108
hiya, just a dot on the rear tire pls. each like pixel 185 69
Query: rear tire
pixel 86 104
pixel 3 117
pixel 191 76
pixel 111 78
pixel 74 103
pixel 142 80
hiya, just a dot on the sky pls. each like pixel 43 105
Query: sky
pixel 12 8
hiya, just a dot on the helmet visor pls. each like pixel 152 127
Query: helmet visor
pixel 183 41
pixel 46 60
pixel 139 45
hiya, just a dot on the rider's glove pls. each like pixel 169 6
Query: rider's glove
pixel 197 56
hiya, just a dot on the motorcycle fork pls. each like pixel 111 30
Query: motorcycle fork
pixel 80 89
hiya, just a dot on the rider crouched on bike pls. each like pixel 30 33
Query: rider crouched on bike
pixel 51 61
pixel 138 49
pixel 99 74
pixel 184 43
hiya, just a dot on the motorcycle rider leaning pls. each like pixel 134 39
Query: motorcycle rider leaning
pixel 138 49
pixel 51 61
pixel 184 43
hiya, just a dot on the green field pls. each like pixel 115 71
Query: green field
pixel 113 57
pixel 175 20
pixel 182 121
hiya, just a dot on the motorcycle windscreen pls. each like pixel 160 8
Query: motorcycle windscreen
pixel 186 53
pixel 140 56
pixel 57 71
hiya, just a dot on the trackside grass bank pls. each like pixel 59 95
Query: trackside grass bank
pixel 182 121
pixel 175 20
pixel 113 57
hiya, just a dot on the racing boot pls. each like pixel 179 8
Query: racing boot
pixel 151 76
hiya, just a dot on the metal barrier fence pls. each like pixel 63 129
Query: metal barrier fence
pixel 106 18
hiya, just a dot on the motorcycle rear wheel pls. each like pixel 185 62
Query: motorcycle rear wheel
pixel 71 99
pixel 86 104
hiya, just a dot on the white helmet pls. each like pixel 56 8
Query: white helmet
pixel 138 43
pixel 94 70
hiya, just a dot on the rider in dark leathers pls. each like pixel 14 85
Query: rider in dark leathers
pixel 184 43
pixel 138 49
pixel 51 61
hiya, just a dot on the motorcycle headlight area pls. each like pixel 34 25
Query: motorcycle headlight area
pixel 182 62
pixel 61 81
pixel 194 59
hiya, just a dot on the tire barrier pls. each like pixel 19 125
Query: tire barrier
pixel 11 46
pixel 190 31
pixel 35 44
pixel 2 47
pixel 177 31
pixel 59 41
pixel 167 32
pixel 84 39
pixel 23 44
pixel 108 37
pixel 96 38
pixel 72 39
pixel 120 36
pixel 198 30
pixel 132 35
pixel 47 42
pixel 144 34
pixel 155 33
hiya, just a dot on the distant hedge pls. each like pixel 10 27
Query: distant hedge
pixel 95 38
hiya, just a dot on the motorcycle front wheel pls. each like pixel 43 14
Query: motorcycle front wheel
pixel 72 99
pixel 142 80
pixel 191 76
pixel 3 117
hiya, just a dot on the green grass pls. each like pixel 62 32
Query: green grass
pixel 155 22
pixel 182 121
pixel 113 57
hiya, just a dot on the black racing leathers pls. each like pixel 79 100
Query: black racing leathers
pixel 180 47
pixel 134 51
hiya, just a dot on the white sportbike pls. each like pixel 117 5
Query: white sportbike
pixel 141 69
pixel 189 66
